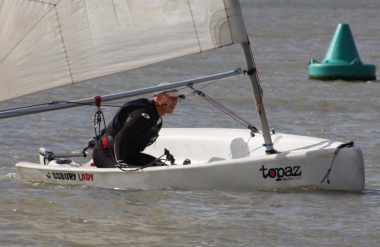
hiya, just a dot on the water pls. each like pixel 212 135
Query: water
pixel 285 35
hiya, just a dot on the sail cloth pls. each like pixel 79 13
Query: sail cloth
pixel 50 43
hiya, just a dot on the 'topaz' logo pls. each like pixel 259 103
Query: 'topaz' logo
pixel 282 174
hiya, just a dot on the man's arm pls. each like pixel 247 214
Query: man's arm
pixel 138 121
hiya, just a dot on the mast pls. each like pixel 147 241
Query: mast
pixel 254 78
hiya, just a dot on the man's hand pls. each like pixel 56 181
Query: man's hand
pixel 91 143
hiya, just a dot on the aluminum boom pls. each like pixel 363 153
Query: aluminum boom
pixel 62 105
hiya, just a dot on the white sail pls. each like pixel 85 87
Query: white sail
pixel 50 43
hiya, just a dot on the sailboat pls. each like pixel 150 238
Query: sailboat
pixel 53 43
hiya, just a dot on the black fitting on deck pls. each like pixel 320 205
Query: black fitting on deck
pixel 272 151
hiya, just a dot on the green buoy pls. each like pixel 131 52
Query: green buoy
pixel 342 60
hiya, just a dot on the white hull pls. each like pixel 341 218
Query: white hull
pixel 214 153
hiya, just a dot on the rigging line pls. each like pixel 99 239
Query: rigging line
pixel 251 151
pixel 349 144
pixel 136 168
pixel 24 107
pixel 90 104
pixel 219 107
pixel 53 103
pixel 228 112
pixel 231 114
pixel 208 84
pixel 78 103
pixel 99 116
pixel 225 109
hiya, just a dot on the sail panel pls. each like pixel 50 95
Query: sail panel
pixel 46 44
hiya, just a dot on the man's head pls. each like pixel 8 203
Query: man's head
pixel 166 101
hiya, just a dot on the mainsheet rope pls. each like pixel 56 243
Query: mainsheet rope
pixel 349 144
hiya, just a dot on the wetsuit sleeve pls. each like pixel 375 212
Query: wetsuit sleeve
pixel 139 120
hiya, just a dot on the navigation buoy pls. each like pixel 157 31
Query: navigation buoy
pixel 342 60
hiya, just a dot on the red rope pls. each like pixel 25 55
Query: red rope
pixel 349 144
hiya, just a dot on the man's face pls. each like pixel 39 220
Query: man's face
pixel 168 103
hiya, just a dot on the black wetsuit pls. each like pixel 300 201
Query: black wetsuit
pixel 138 130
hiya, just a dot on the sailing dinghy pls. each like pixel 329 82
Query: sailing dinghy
pixel 51 43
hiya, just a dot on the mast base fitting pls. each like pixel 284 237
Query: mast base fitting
pixel 272 151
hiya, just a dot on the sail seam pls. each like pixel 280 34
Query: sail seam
pixel 195 27
pixel 218 20
pixel 64 46
pixel 217 28
pixel 228 22
pixel 41 2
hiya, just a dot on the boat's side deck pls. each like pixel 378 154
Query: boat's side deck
pixel 207 145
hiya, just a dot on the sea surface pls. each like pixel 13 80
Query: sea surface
pixel 285 35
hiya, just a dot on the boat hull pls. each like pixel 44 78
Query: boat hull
pixel 298 167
